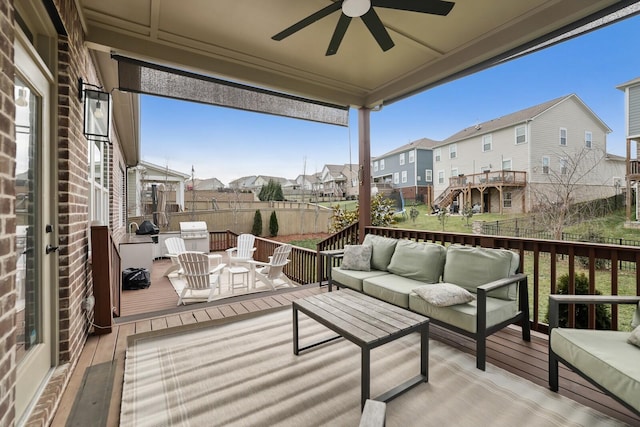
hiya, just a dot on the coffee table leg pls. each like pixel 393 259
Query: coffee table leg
pixel 424 351
pixel 296 349
pixel 366 376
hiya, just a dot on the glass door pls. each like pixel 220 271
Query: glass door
pixel 34 228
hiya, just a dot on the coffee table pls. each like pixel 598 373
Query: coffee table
pixel 368 323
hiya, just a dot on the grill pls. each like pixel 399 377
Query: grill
pixel 195 236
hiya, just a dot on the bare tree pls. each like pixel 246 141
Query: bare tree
pixel 574 177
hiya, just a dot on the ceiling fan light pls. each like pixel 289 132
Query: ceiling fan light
pixel 355 8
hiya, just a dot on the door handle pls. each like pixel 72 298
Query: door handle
pixel 50 249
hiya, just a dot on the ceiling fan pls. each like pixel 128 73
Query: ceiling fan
pixel 364 9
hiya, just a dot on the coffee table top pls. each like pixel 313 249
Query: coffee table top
pixel 364 320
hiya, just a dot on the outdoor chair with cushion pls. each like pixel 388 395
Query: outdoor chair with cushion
pixel 608 359
pixel 197 275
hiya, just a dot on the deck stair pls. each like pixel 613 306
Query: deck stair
pixel 447 197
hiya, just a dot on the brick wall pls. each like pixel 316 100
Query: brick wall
pixel 7 218
pixel 70 147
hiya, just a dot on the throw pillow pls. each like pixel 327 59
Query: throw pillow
pixel 444 294
pixel 634 338
pixel 356 257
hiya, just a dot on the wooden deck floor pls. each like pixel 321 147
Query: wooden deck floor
pixel 155 309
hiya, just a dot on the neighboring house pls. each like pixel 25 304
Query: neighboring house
pixel 244 183
pixel 631 91
pixel 141 179
pixel 262 180
pixel 306 182
pixel 408 168
pixel 340 181
pixel 209 184
pixel 506 164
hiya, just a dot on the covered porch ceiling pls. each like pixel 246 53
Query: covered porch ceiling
pixel 232 40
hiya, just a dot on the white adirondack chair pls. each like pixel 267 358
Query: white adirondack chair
pixel 175 246
pixel 244 250
pixel 197 275
pixel 272 273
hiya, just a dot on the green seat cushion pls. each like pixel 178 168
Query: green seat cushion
pixel 353 278
pixel 390 288
pixel 381 252
pixel 471 267
pixel 463 316
pixel 420 261
pixel 604 356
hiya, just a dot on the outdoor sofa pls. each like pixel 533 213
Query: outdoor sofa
pixel 471 291
pixel 608 359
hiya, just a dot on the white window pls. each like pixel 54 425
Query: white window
pixel 437 154
pixel 99 181
pixel 428 175
pixel 396 178
pixel 506 202
pixel 521 134
pixel 402 158
pixel 563 137
pixel 545 164
pixel 454 171
pixel 375 166
pixel 404 176
pixel 382 164
pixel 588 139
pixel 440 177
pixel 506 164
pixel 563 166
pixel 487 143
pixel 412 156
pixel 453 151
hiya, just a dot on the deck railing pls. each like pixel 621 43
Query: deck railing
pixel 544 261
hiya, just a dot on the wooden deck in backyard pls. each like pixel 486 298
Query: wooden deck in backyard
pixel 155 309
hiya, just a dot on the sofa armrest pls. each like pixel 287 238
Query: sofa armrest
pixel 501 283
pixel 556 300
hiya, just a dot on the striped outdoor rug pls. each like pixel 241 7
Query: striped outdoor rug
pixel 244 373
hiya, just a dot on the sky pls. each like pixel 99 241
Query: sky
pixel 227 144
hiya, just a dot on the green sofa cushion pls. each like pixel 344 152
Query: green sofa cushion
pixel 382 250
pixel 604 356
pixel 390 288
pixel 463 316
pixel 420 261
pixel 353 278
pixel 467 266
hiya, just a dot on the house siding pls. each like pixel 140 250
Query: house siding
pixel 634 112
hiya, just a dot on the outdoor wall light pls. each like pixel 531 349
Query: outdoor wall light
pixel 97 110
pixel 21 100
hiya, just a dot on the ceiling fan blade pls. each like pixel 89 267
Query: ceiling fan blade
pixel 434 7
pixel 376 27
pixel 308 20
pixel 338 34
